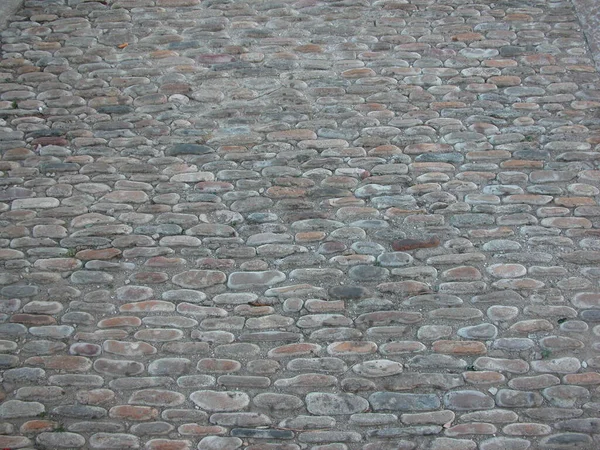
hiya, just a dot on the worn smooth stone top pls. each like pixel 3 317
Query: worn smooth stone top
pixel 324 225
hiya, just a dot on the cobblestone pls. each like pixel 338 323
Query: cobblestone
pixel 324 225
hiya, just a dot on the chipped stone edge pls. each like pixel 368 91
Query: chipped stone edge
pixel 588 14
pixel 7 9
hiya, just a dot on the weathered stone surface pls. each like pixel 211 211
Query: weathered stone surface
pixel 114 440
pixel 500 364
pixel 377 368
pixel 118 368
pixel 413 244
pixel 219 443
pixel 566 440
pixel 11 409
pixel 186 149
pixel 558 365
pixel 566 396
pixel 453 444
pixel 467 400
pixel 220 401
pixel 518 399
pixel 156 397
pixel 329 436
pixel 277 402
pixel 280 225
pixel 483 331
pixel 321 403
pixel 196 279
pixel 389 401
pixel 249 280
pixel 459 347
pixel 504 443
pixel 348 292
pixel 60 440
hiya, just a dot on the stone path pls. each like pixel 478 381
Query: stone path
pixel 284 225
pixel 588 13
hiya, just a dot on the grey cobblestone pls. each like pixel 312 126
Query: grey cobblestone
pixel 321 225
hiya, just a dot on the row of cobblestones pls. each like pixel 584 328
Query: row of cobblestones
pixel 285 225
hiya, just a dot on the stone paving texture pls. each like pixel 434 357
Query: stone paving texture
pixel 7 9
pixel 299 224
pixel 588 12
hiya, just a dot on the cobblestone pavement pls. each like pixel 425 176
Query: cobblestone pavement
pixel 588 13
pixel 284 225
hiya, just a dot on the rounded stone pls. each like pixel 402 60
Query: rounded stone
pixel 368 273
pixel 394 259
pixel 197 279
pixel 220 401
pixel 507 270
pixel 482 331
pixel 558 365
pixel 367 248
pixel 219 443
pixel 60 440
pixel 504 443
pixel 12 409
pixel 467 400
pixel 321 403
pixel 377 368
pixel 249 280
